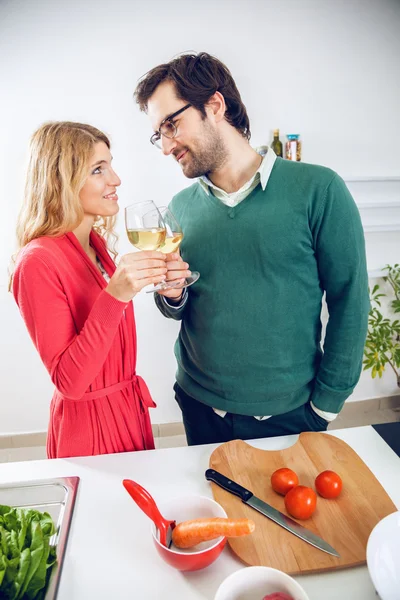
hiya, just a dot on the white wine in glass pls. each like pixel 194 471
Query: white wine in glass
pixel 146 239
pixel 144 225
pixel 172 241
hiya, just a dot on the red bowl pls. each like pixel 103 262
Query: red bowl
pixel 186 509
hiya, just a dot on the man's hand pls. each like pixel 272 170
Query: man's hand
pixel 177 270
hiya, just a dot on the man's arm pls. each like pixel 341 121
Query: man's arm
pixel 340 252
pixel 170 307
pixel 172 302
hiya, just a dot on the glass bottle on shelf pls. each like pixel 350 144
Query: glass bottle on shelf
pixel 293 147
pixel 276 144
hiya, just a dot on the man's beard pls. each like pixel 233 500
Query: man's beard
pixel 207 158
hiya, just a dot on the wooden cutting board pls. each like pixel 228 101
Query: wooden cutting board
pixel 345 522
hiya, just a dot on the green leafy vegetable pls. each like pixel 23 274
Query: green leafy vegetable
pixel 26 556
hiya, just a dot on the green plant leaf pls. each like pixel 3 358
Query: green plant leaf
pixel 383 336
pixel 24 564
pixel 3 566
pixel 25 553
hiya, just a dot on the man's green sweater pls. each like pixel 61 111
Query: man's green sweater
pixel 250 339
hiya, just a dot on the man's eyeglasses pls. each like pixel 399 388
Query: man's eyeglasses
pixel 167 128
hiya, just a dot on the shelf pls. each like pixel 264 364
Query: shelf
pixel 378 178
pixel 364 205
pixel 376 274
pixel 381 228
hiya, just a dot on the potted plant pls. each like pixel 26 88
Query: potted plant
pixel 382 346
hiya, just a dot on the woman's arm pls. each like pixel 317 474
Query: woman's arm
pixel 73 359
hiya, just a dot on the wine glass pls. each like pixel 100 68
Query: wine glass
pixel 144 225
pixel 151 228
pixel 172 241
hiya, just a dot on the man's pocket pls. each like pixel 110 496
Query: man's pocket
pixel 315 422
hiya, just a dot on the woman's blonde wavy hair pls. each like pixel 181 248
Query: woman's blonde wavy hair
pixel 60 153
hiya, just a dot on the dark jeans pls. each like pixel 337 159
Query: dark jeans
pixel 204 426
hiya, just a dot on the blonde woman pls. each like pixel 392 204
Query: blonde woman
pixel 75 302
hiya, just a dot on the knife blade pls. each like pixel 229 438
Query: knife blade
pixel 268 511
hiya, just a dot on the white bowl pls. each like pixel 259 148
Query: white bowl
pixel 383 557
pixel 253 583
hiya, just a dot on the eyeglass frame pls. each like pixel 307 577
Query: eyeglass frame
pixel 154 139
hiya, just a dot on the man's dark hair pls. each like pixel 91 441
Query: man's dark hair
pixel 196 78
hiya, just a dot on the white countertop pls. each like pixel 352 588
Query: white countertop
pixel 110 553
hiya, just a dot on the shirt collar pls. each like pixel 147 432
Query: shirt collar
pixel 263 172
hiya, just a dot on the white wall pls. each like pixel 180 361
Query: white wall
pixel 325 68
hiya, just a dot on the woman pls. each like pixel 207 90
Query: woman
pixel 75 302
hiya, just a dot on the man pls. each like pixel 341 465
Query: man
pixel 269 238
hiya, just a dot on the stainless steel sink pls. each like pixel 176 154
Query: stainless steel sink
pixel 55 496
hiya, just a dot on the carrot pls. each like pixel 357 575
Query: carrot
pixel 191 533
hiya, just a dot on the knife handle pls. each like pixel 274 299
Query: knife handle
pixel 228 484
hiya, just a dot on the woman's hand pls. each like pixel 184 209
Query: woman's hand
pixel 134 272
pixel 177 270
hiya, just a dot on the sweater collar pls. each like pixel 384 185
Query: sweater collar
pixel 99 245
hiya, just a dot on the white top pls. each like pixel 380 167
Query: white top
pixel 110 553
pixel 102 270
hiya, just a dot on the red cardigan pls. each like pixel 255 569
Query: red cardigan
pixel 86 339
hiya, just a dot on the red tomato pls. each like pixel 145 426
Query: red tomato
pixel 328 484
pixel 284 480
pixel 301 502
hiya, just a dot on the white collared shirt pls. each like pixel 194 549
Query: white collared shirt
pixel 260 176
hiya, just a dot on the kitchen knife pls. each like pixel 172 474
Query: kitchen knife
pixel 268 511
